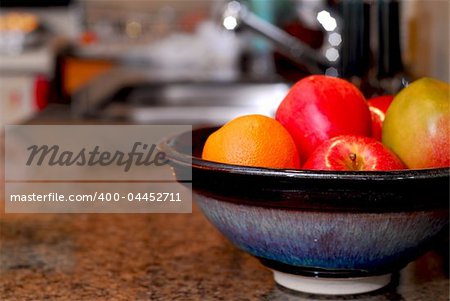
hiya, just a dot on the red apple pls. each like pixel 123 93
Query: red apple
pixel 381 102
pixel 378 107
pixel 320 107
pixel 350 152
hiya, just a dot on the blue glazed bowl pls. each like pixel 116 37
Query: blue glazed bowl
pixel 320 224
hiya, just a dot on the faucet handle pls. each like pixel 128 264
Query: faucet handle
pixel 389 53
pixel 356 54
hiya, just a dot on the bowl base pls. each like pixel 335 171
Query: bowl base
pixel 331 286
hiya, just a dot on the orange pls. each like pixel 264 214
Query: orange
pixel 252 140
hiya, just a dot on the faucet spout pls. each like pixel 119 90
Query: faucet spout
pixel 237 15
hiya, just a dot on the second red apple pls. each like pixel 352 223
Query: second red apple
pixel 353 153
pixel 378 107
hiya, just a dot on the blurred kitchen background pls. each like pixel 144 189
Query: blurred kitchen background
pixel 205 61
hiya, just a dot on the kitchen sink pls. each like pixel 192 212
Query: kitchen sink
pixel 123 96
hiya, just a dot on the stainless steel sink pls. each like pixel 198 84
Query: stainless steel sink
pixel 138 98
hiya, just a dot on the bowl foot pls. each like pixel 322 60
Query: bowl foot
pixel 331 286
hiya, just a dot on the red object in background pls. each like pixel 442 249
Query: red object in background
pixel 41 92
pixel 353 153
pixel 190 20
pixel 88 37
pixel 378 107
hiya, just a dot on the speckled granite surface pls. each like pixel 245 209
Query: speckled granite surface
pixel 156 257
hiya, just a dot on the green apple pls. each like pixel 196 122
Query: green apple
pixel 417 127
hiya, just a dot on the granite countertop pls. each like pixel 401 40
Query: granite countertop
pixel 158 257
pixel 155 257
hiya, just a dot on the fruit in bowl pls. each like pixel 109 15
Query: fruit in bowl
pixel 340 224
pixel 252 140
pixel 416 132
pixel 417 124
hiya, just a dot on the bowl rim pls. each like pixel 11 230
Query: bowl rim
pixel 167 146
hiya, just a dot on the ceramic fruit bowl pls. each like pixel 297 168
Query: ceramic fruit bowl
pixel 320 232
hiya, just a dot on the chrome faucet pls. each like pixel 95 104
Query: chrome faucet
pixel 237 15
